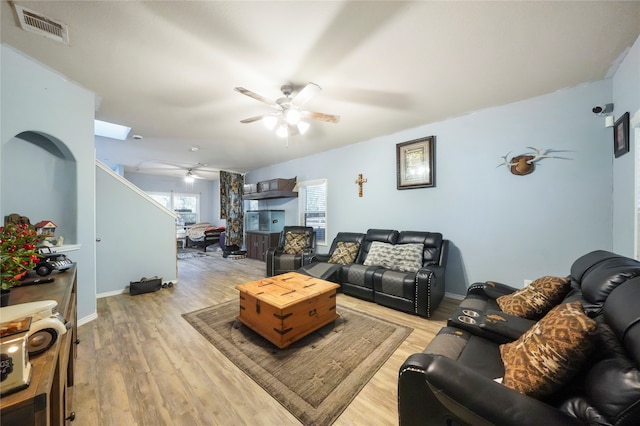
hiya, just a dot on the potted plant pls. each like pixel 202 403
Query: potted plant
pixel 18 255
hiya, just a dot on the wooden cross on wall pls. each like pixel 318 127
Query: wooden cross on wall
pixel 360 181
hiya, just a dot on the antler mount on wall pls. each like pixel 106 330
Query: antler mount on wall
pixel 524 164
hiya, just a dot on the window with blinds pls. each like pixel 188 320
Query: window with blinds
pixel 312 207
pixel 186 206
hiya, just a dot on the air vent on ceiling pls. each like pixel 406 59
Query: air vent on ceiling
pixel 37 23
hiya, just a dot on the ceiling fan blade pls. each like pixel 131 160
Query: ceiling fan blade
pixel 252 119
pixel 320 116
pixel 305 95
pixel 256 96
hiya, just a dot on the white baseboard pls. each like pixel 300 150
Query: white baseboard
pixel 111 293
pixel 126 290
pixel 87 319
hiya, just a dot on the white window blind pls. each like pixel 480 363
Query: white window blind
pixel 312 207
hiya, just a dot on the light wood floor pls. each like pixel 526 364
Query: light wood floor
pixel 141 363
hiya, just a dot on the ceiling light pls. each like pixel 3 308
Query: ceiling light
pixel 292 116
pixel 282 131
pixel 270 121
pixel 110 130
pixel 194 149
pixel 189 178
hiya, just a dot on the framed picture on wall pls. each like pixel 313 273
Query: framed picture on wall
pixel 621 135
pixel 415 160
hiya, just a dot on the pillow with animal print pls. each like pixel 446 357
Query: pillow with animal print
pixel 536 299
pixel 550 353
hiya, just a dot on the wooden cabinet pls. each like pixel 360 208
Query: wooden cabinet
pixel 259 242
pixel 48 399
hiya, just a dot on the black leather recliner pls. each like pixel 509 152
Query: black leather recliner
pixel 452 381
pixel 415 292
pixel 593 276
pixel 279 262
pixel 356 279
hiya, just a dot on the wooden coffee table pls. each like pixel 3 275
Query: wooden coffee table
pixel 287 307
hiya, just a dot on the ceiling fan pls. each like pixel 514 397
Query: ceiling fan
pixel 288 116
pixel 191 171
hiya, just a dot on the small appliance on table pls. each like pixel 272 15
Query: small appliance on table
pixel 15 368
pixel 287 307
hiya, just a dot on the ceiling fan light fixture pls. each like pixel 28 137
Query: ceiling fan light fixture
pixel 287 120
pixel 270 121
pixel 189 177
pixel 292 116
pixel 282 131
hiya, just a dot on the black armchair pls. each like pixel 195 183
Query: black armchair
pixel 295 248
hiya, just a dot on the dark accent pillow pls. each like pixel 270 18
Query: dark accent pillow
pixel 294 243
pixel 550 353
pixel 536 299
pixel 344 253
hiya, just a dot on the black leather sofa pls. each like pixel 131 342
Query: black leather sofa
pixel 416 291
pixel 452 382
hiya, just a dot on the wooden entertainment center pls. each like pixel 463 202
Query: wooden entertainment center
pixel 48 399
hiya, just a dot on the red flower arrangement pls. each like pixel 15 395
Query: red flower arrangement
pixel 18 253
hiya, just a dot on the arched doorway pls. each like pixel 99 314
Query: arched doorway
pixel 39 180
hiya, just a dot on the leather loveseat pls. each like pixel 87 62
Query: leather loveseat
pixel 401 270
pixel 456 380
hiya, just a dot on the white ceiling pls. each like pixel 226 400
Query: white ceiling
pixel 168 68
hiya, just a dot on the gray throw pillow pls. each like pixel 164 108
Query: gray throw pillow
pixel 398 257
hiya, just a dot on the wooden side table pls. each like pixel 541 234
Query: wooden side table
pixel 48 399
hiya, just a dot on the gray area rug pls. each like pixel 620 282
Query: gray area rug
pixel 189 253
pixel 315 378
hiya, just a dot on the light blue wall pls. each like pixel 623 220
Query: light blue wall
pixel 209 192
pixel 35 99
pixel 138 239
pixel 626 98
pixel 502 227
pixel 51 184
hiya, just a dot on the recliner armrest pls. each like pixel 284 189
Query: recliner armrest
pixel 490 289
pixel 307 255
pixel 433 388
pixel 430 281
pixel 320 257
pixel 506 325
pixel 437 270
pixel 274 251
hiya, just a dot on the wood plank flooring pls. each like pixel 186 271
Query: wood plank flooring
pixel 140 363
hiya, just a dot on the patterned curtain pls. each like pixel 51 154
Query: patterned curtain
pixel 231 208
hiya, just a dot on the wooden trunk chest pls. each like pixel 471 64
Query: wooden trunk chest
pixel 287 307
